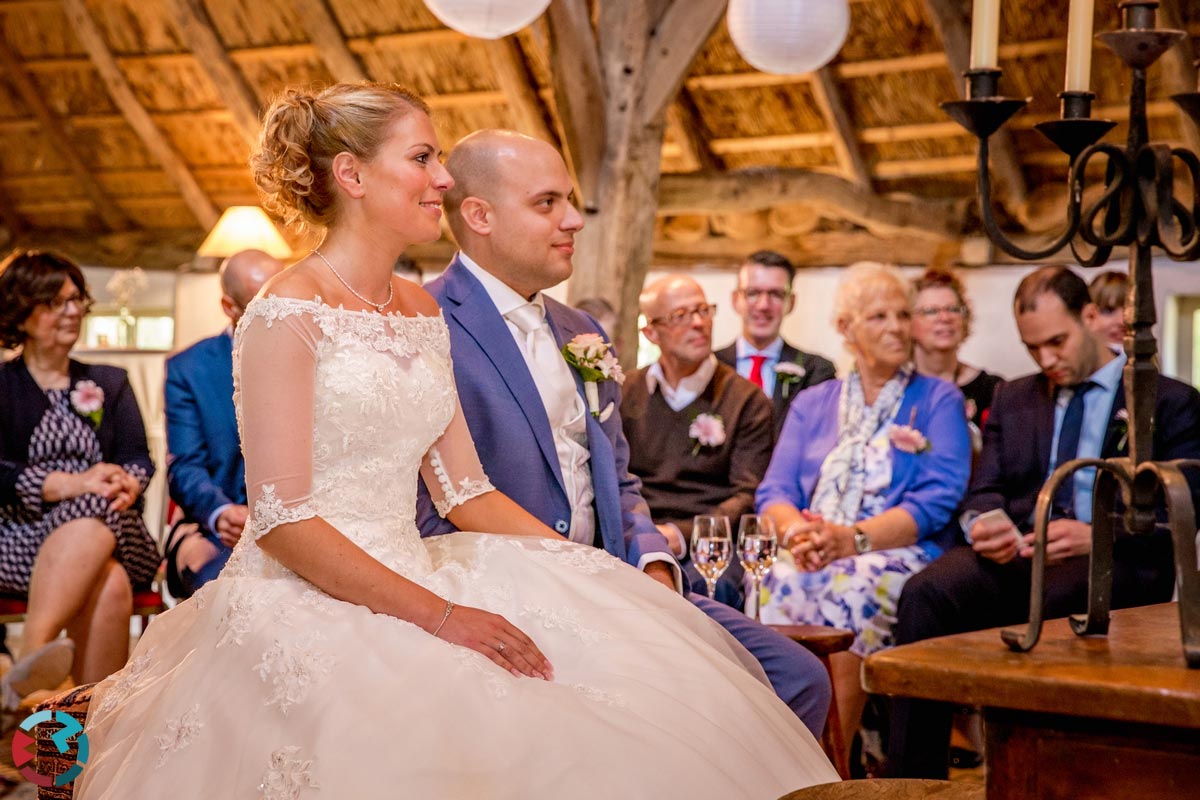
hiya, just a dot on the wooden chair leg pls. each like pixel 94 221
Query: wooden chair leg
pixel 832 740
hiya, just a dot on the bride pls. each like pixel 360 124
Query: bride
pixel 339 655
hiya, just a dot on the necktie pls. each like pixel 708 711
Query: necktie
pixel 546 364
pixel 756 365
pixel 1068 446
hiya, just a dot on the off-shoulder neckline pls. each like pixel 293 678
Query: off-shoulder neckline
pixel 319 303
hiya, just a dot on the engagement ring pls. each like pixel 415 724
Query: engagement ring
pixel 500 647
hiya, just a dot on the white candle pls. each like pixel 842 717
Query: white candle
pixel 1079 46
pixel 985 34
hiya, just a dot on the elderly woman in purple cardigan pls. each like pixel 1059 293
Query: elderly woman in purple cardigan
pixel 867 473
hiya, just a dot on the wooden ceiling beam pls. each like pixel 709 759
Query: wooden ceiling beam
pixel 152 249
pixel 90 36
pixel 845 141
pixel 578 85
pixel 683 29
pixel 683 119
pixel 949 21
pixel 747 190
pixel 322 28
pixel 512 75
pixel 52 127
pixel 198 33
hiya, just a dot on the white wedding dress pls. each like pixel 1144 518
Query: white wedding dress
pixel 263 686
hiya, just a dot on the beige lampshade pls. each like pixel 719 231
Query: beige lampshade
pixel 243 228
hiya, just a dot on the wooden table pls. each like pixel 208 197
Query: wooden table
pixel 1075 718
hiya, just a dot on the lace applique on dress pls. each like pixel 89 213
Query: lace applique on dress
pixel 270 513
pixel 179 734
pixel 600 696
pixel 238 616
pixel 288 775
pixel 294 669
pixel 564 619
pixel 125 682
pixel 455 496
pixel 589 560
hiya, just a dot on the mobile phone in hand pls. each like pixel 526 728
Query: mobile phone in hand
pixel 999 515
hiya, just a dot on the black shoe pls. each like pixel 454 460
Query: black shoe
pixel 179 582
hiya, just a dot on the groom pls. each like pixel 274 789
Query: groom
pixel 512 215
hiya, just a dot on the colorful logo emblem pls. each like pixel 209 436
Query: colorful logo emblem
pixel 24 747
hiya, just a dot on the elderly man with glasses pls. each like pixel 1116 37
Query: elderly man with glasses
pixel 700 436
pixel 760 354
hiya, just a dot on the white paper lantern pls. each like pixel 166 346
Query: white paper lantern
pixel 788 36
pixel 487 19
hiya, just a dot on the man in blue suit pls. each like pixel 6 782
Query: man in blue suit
pixel 205 473
pixel 528 412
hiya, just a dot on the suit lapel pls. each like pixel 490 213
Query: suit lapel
pixel 474 310
pixel 1116 430
pixel 1043 421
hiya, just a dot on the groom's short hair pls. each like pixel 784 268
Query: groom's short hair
pixel 475 166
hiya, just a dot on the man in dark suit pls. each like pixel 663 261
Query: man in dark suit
pixel 1071 409
pixel 760 355
pixel 686 470
pixel 540 439
pixel 205 472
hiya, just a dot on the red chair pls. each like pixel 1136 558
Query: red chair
pixel 146 604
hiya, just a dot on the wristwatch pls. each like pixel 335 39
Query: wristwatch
pixel 862 542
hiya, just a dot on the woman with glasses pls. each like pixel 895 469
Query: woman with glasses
pixel 941 323
pixel 73 466
pixel 866 474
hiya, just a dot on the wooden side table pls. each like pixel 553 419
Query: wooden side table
pixel 1100 717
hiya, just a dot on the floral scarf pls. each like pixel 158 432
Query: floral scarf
pixel 840 488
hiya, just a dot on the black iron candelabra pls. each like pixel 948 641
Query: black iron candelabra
pixel 1138 209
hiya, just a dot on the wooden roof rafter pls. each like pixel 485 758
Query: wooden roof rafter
pixel 322 28
pixel 90 36
pixel 55 130
pixel 197 30
pixel 845 142
pixel 512 74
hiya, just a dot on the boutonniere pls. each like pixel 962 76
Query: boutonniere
pixel 88 401
pixel 706 430
pixel 594 360
pixel 1120 424
pixel 907 438
pixel 789 374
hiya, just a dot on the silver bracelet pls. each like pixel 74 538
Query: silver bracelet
pixel 445 616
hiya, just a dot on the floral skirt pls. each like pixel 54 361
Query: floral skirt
pixel 859 593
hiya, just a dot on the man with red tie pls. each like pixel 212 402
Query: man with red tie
pixel 760 355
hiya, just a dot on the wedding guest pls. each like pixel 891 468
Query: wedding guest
pixel 345 657
pixel 699 434
pixel 760 354
pixel 863 480
pixel 1108 290
pixel 1071 409
pixel 512 217
pixel 206 476
pixel 73 467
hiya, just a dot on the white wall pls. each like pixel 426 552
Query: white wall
pixel 198 312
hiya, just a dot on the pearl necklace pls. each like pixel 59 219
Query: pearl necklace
pixel 377 306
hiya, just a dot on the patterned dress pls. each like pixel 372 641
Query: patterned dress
pixel 65 442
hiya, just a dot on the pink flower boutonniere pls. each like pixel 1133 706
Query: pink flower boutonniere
pixel 908 439
pixel 594 360
pixel 1121 424
pixel 88 401
pixel 706 430
pixel 789 374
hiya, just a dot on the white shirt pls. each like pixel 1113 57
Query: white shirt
pixel 771 355
pixel 689 387
pixel 567 421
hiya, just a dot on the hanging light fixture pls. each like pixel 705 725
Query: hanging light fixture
pixel 788 37
pixel 243 228
pixel 487 19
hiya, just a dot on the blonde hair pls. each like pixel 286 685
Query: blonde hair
pixel 302 133
pixel 859 282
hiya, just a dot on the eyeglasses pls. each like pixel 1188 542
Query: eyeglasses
pixel 683 316
pixel 774 295
pixel 929 312
pixel 59 304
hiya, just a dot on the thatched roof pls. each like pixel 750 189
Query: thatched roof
pixel 125 124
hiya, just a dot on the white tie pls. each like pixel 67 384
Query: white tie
pixel 550 372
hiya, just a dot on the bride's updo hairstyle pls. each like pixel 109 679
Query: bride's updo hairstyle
pixel 304 130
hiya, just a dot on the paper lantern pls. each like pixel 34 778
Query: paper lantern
pixel 487 19
pixel 788 37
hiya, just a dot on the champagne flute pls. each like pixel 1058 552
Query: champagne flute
pixel 712 547
pixel 757 546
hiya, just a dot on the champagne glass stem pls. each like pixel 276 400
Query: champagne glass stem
pixel 757 596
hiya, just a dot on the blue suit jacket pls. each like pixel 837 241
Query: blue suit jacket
pixel 512 432
pixel 927 485
pixel 205 469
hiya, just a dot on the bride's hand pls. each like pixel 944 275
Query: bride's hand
pixel 498 639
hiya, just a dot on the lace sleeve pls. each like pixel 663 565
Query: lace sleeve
pixel 274 372
pixel 451 468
